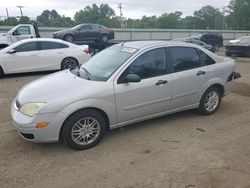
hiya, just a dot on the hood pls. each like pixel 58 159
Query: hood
pixel 62 85
pixel 4 34
pixel 62 31
pixel 4 38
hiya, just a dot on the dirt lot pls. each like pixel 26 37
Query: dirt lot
pixel 183 150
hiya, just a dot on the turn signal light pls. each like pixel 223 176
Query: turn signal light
pixel 42 125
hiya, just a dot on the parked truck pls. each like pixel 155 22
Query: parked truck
pixel 19 32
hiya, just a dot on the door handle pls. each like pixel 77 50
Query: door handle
pixel 33 55
pixel 59 52
pixel 161 82
pixel 201 73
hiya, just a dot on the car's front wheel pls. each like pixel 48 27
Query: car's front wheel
pixel 1 72
pixel 104 38
pixel 210 101
pixel 68 38
pixel 69 63
pixel 84 129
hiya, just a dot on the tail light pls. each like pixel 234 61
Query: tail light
pixel 86 50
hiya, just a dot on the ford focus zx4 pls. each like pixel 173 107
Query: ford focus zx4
pixel 124 84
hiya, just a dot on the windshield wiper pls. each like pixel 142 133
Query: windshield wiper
pixel 87 73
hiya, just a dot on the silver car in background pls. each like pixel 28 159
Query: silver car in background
pixel 124 84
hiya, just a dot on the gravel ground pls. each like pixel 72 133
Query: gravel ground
pixel 182 150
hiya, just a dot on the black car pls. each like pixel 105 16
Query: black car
pixel 241 47
pixel 86 32
pixel 201 43
pixel 214 39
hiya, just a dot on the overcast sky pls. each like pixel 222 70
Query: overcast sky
pixel 131 8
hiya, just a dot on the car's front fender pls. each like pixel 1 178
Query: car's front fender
pixel 104 105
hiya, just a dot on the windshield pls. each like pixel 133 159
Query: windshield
pixel 101 66
pixel 76 27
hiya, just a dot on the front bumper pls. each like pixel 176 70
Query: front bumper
pixel 26 126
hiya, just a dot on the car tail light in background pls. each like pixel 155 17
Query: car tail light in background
pixel 110 30
pixel 86 50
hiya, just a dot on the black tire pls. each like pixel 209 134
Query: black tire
pixel 69 63
pixel 203 109
pixel 228 54
pixel 1 72
pixel 68 38
pixel 104 38
pixel 72 124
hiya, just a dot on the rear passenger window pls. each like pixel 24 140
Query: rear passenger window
pixel 205 59
pixel 52 45
pixel 184 58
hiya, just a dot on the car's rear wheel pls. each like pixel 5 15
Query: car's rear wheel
pixel 104 38
pixel 84 129
pixel 68 38
pixel 210 101
pixel 1 72
pixel 69 63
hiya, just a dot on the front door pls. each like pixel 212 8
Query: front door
pixel 82 33
pixel 22 32
pixel 150 96
pixel 23 59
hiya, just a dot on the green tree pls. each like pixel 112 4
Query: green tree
pixel 52 18
pixel 240 14
pixel 24 20
pixel 102 14
pixel 208 17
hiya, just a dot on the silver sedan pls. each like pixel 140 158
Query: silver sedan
pixel 124 84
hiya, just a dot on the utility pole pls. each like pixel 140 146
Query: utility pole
pixel 20 7
pixel 8 18
pixel 120 8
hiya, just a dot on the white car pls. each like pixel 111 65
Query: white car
pixel 32 55
pixel 238 39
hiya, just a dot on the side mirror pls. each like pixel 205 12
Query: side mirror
pixel 132 78
pixel 12 51
pixel 15 33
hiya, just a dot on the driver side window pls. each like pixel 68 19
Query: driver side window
pixel 22 30
pixel 150 64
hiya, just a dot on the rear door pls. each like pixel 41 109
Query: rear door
pixel 150 96
pixel 94 31
pixel 51 55
pixel 25 58
pixel 188 76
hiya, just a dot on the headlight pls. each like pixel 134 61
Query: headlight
pixel 30 109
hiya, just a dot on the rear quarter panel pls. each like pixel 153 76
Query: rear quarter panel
pixel 219 74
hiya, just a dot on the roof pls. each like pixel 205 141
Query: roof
pixel 145 44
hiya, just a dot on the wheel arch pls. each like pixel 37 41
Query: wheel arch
pixel 102 112
pixel 69 57
pixel 3 45
pixel 1 69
